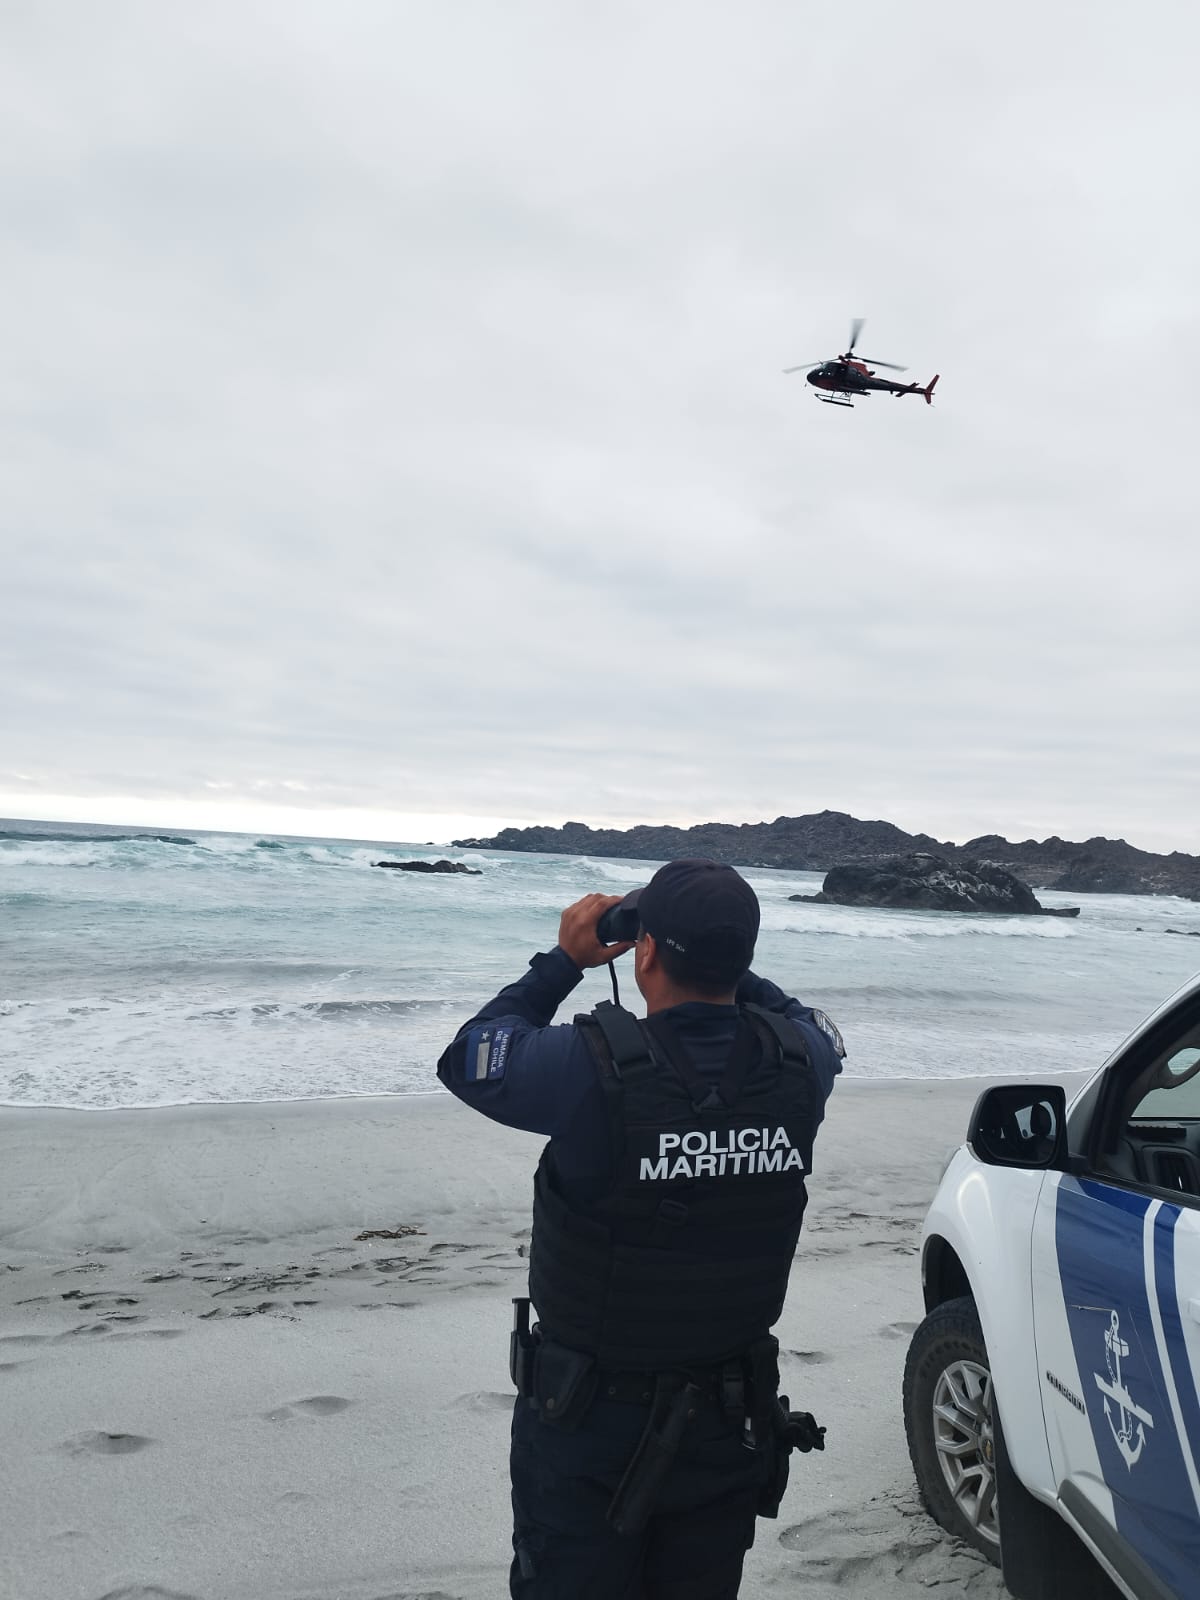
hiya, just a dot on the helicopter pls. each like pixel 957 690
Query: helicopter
pixel 845 375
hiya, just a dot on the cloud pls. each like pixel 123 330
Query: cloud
pixel 392 410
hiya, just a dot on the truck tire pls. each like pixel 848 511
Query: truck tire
pixel 964 1473
pixel 1040 1557
pixel 948 1418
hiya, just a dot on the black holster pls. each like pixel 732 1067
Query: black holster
pixel 521 1346
pixel 559 1383
pixel 637 1493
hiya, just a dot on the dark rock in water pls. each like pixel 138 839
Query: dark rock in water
pixel 924 882
pixel 1184 933
pixel 431 866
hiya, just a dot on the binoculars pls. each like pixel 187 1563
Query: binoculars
pixel 618 925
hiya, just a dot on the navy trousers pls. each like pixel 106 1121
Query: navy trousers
pixel 563 1481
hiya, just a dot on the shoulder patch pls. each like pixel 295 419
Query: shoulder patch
pixel 829 1028
pixel 487 1054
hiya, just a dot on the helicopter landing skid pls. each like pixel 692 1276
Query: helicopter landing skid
pixel 833 400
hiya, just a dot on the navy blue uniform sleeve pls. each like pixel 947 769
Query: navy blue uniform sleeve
pixel 825 1047
pixel 509 1063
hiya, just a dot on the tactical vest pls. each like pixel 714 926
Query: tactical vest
pixel 684 1260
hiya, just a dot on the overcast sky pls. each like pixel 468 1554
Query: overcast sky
pixel 393 438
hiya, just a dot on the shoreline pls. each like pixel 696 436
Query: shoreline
pixel 10 1108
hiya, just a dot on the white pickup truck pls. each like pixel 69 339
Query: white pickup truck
pixel 1052 1393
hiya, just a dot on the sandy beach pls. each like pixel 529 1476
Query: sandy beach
pixel 260 1352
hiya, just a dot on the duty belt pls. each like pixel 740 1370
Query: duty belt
pixel 562 1384
pixel 628 1388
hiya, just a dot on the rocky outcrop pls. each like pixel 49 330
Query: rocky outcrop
pixel 430 866
pixel 823 840
pixel 1097 866
pixel 807 844
pixel 924 882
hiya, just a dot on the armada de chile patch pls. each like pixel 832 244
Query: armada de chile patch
pixel 830 1029
pixel 487 1054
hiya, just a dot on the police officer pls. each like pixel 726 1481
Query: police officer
pixel 648 1432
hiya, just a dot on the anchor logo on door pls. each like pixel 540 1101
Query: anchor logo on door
pixel 1128 1421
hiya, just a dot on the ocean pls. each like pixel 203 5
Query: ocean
pixel 141 971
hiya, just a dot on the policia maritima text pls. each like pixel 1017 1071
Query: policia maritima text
pixel 648 1432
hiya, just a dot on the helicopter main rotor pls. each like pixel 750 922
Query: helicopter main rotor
pixel 856 327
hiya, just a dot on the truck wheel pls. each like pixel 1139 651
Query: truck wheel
pixel 949 1418
pixel 1041 1559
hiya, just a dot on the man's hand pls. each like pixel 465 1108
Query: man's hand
pixel 577 931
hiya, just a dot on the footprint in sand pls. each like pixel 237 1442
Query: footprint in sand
pixel 423 1594
pixel 146 1591
pixel 105 1444
pixel 485 1400
pixel 888 1546
pixel 87 1301
pixel 149 1333
pixel 318 1405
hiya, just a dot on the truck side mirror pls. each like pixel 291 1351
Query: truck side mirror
pixel 1021 1125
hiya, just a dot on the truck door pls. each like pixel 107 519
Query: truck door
pixel 1117 1320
